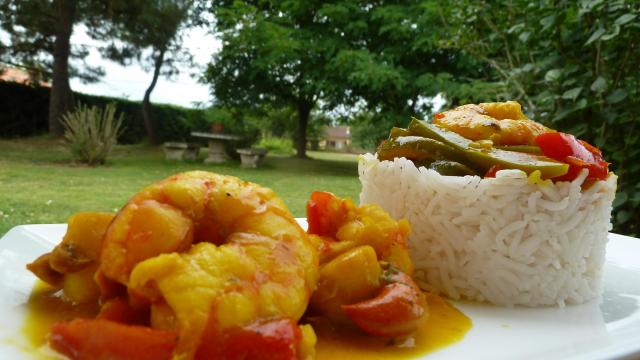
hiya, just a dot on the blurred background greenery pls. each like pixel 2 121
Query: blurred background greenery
pixel 287 68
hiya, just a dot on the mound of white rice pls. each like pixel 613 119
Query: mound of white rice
pixel 501 240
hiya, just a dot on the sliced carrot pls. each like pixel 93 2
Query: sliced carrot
pixel 398 310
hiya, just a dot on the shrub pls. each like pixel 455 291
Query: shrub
pixel 91 132
pixel 574 66
pixel 277 145
pixel 25 110
pixel 169 119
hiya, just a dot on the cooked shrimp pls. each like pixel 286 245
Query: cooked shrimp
pixel 217 259
pixel 503 123
pixel 365 267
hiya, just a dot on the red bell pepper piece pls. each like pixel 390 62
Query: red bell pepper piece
pixel 266 340
pixel 491 173
pixel 577 153
pixel 325 213
pixel 103 339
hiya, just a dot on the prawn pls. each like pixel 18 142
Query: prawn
pixel 217 262
pixel 365 267
pixel 502 123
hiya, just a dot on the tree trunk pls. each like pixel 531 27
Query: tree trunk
pixel 149 124
pixel 304 110
pixel 61 96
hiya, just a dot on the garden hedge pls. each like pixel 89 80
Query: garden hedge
pixel 24 112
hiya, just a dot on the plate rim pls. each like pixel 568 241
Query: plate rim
pixel 617 254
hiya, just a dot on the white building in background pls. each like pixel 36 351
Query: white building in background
pixel 336 138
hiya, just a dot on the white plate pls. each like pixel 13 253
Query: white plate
pixel 608 328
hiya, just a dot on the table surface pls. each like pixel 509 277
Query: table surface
pixel 215 136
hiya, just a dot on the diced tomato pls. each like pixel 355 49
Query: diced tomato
pixel 324 213
pixel 439 116
pixel 270 340
pixel 491 173
pixel 103 339
pixel 577 153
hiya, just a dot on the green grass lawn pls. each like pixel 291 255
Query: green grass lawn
pixel 39 184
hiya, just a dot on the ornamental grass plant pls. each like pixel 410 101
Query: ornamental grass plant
pixel 91 133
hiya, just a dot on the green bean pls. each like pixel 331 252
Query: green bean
pixel 479 159
pixel 451 168
pixel 530 149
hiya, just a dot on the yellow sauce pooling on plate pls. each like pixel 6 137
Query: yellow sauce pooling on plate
pixel 47 306
pixel 445 326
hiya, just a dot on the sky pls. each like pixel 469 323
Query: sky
pixel 130 82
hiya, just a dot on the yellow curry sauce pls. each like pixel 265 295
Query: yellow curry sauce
pixel 446 325
pixel 47 306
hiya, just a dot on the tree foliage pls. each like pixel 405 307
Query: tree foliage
pixel 574 66
pixel 40 33
pixel 30 26
pixel 304 54
pixel 273 53
pixel 390 56
pixel 150 32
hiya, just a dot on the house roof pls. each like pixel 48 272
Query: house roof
pixel 337 132
pixel 18 76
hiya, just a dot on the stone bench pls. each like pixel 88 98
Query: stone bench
pixel 181 151
pixel 251 158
